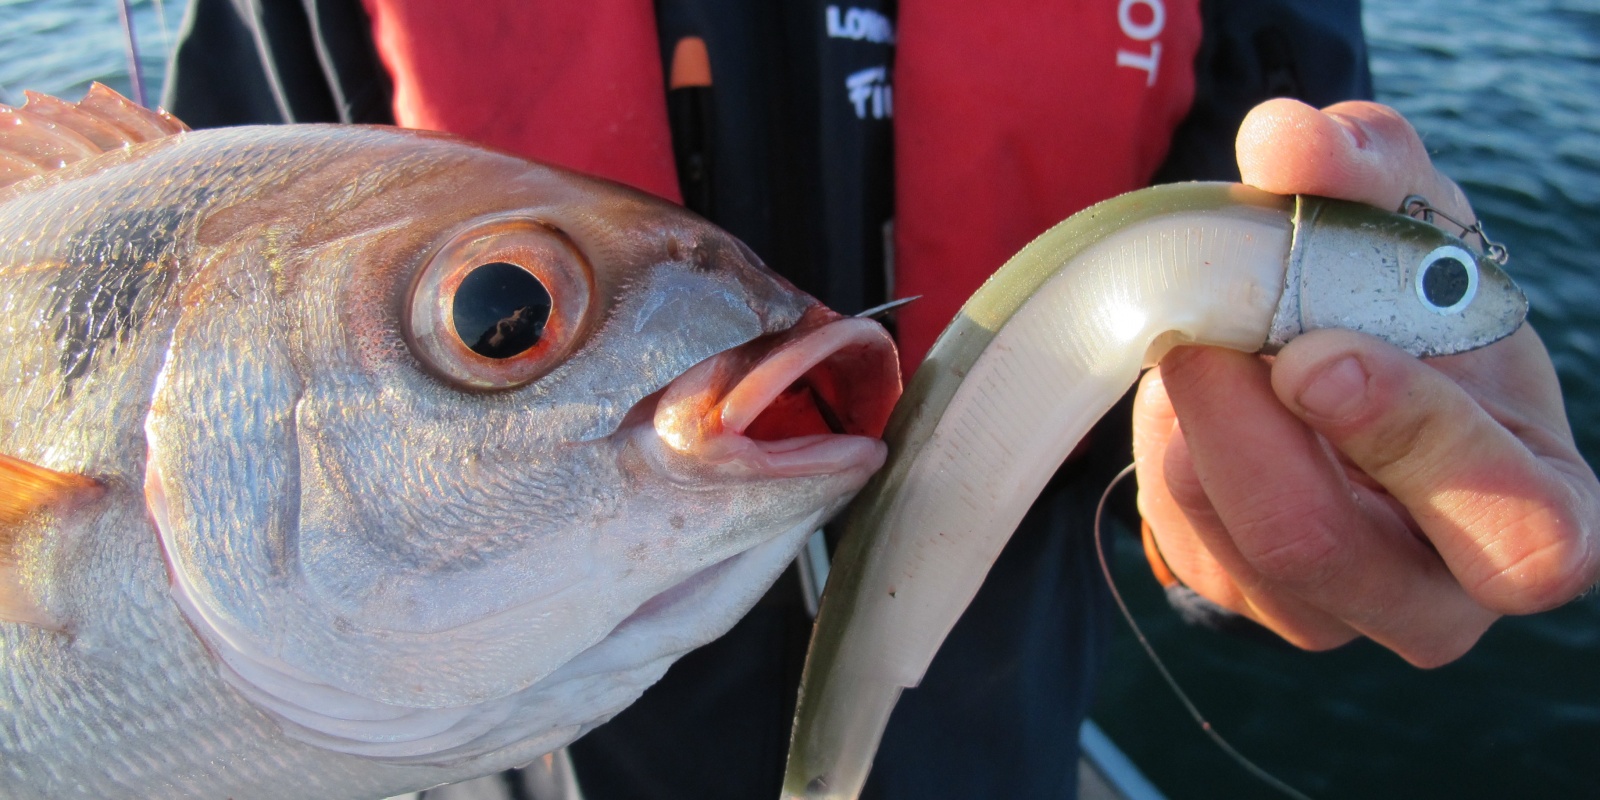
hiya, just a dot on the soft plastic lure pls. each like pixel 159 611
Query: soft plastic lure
pixel 1045 348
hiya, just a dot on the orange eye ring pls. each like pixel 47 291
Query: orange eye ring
pixel 514 270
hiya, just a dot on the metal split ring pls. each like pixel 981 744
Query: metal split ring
pixel 1418 207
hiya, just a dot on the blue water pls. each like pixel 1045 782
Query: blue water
pixel 59 46
pixel 1507 98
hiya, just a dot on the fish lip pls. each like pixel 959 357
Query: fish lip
pixel 848 367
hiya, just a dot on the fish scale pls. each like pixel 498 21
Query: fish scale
pixel 266 531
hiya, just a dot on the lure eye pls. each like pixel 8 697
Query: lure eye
pixel 499 304
pixel 1447 280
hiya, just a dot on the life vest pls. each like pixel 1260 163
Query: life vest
pixel 1008 117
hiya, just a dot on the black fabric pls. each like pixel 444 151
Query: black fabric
pixel 794 171
pixel 1255 50
pixel 358 85
pixel 243 62
pixel 216 77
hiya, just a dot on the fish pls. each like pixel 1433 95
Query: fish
pixel 345 461
pixel 1041 351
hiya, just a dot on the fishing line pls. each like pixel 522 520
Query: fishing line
pixel 1161 666
pixel 135 72
pixel 166 34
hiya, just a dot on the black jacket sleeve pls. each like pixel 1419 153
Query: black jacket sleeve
pixel 241 62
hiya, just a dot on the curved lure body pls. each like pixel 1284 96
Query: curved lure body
pixel 1044 349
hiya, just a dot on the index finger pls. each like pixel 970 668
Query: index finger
pixel 1360 151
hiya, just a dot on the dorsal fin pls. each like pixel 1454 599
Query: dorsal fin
pixel 45 133
pixel 26 490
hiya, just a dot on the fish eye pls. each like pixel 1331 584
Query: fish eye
pixel 499 304
pixel 1447 280
pixel 500 310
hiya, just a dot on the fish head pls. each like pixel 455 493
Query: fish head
pixel 1409 282
pixel 502 443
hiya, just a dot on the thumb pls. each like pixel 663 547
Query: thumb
pixel 1500 516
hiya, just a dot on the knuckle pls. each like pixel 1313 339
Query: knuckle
pixel 1416 442
pixel 1386 127
pixel 1542 554
pixel 1317 641
pixel 1451 629
pixel 1543 578
pixel 1211 581
pixel 1183 483
pixel 1432 655
pixel 1305 627
pixel 1398 446
pixel 1291 545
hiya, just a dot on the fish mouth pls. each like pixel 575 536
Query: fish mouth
pixel 810 400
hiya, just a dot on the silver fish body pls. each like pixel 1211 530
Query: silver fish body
pixel 332 549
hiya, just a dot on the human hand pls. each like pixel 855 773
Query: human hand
pixel 1345 488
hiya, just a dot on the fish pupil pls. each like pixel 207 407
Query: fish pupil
pixel 500 310
pixel 1445 282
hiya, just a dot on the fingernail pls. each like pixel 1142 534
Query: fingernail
pixel 1354 127
pixel 1337 392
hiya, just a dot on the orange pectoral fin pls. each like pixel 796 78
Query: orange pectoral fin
pixel 25 491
